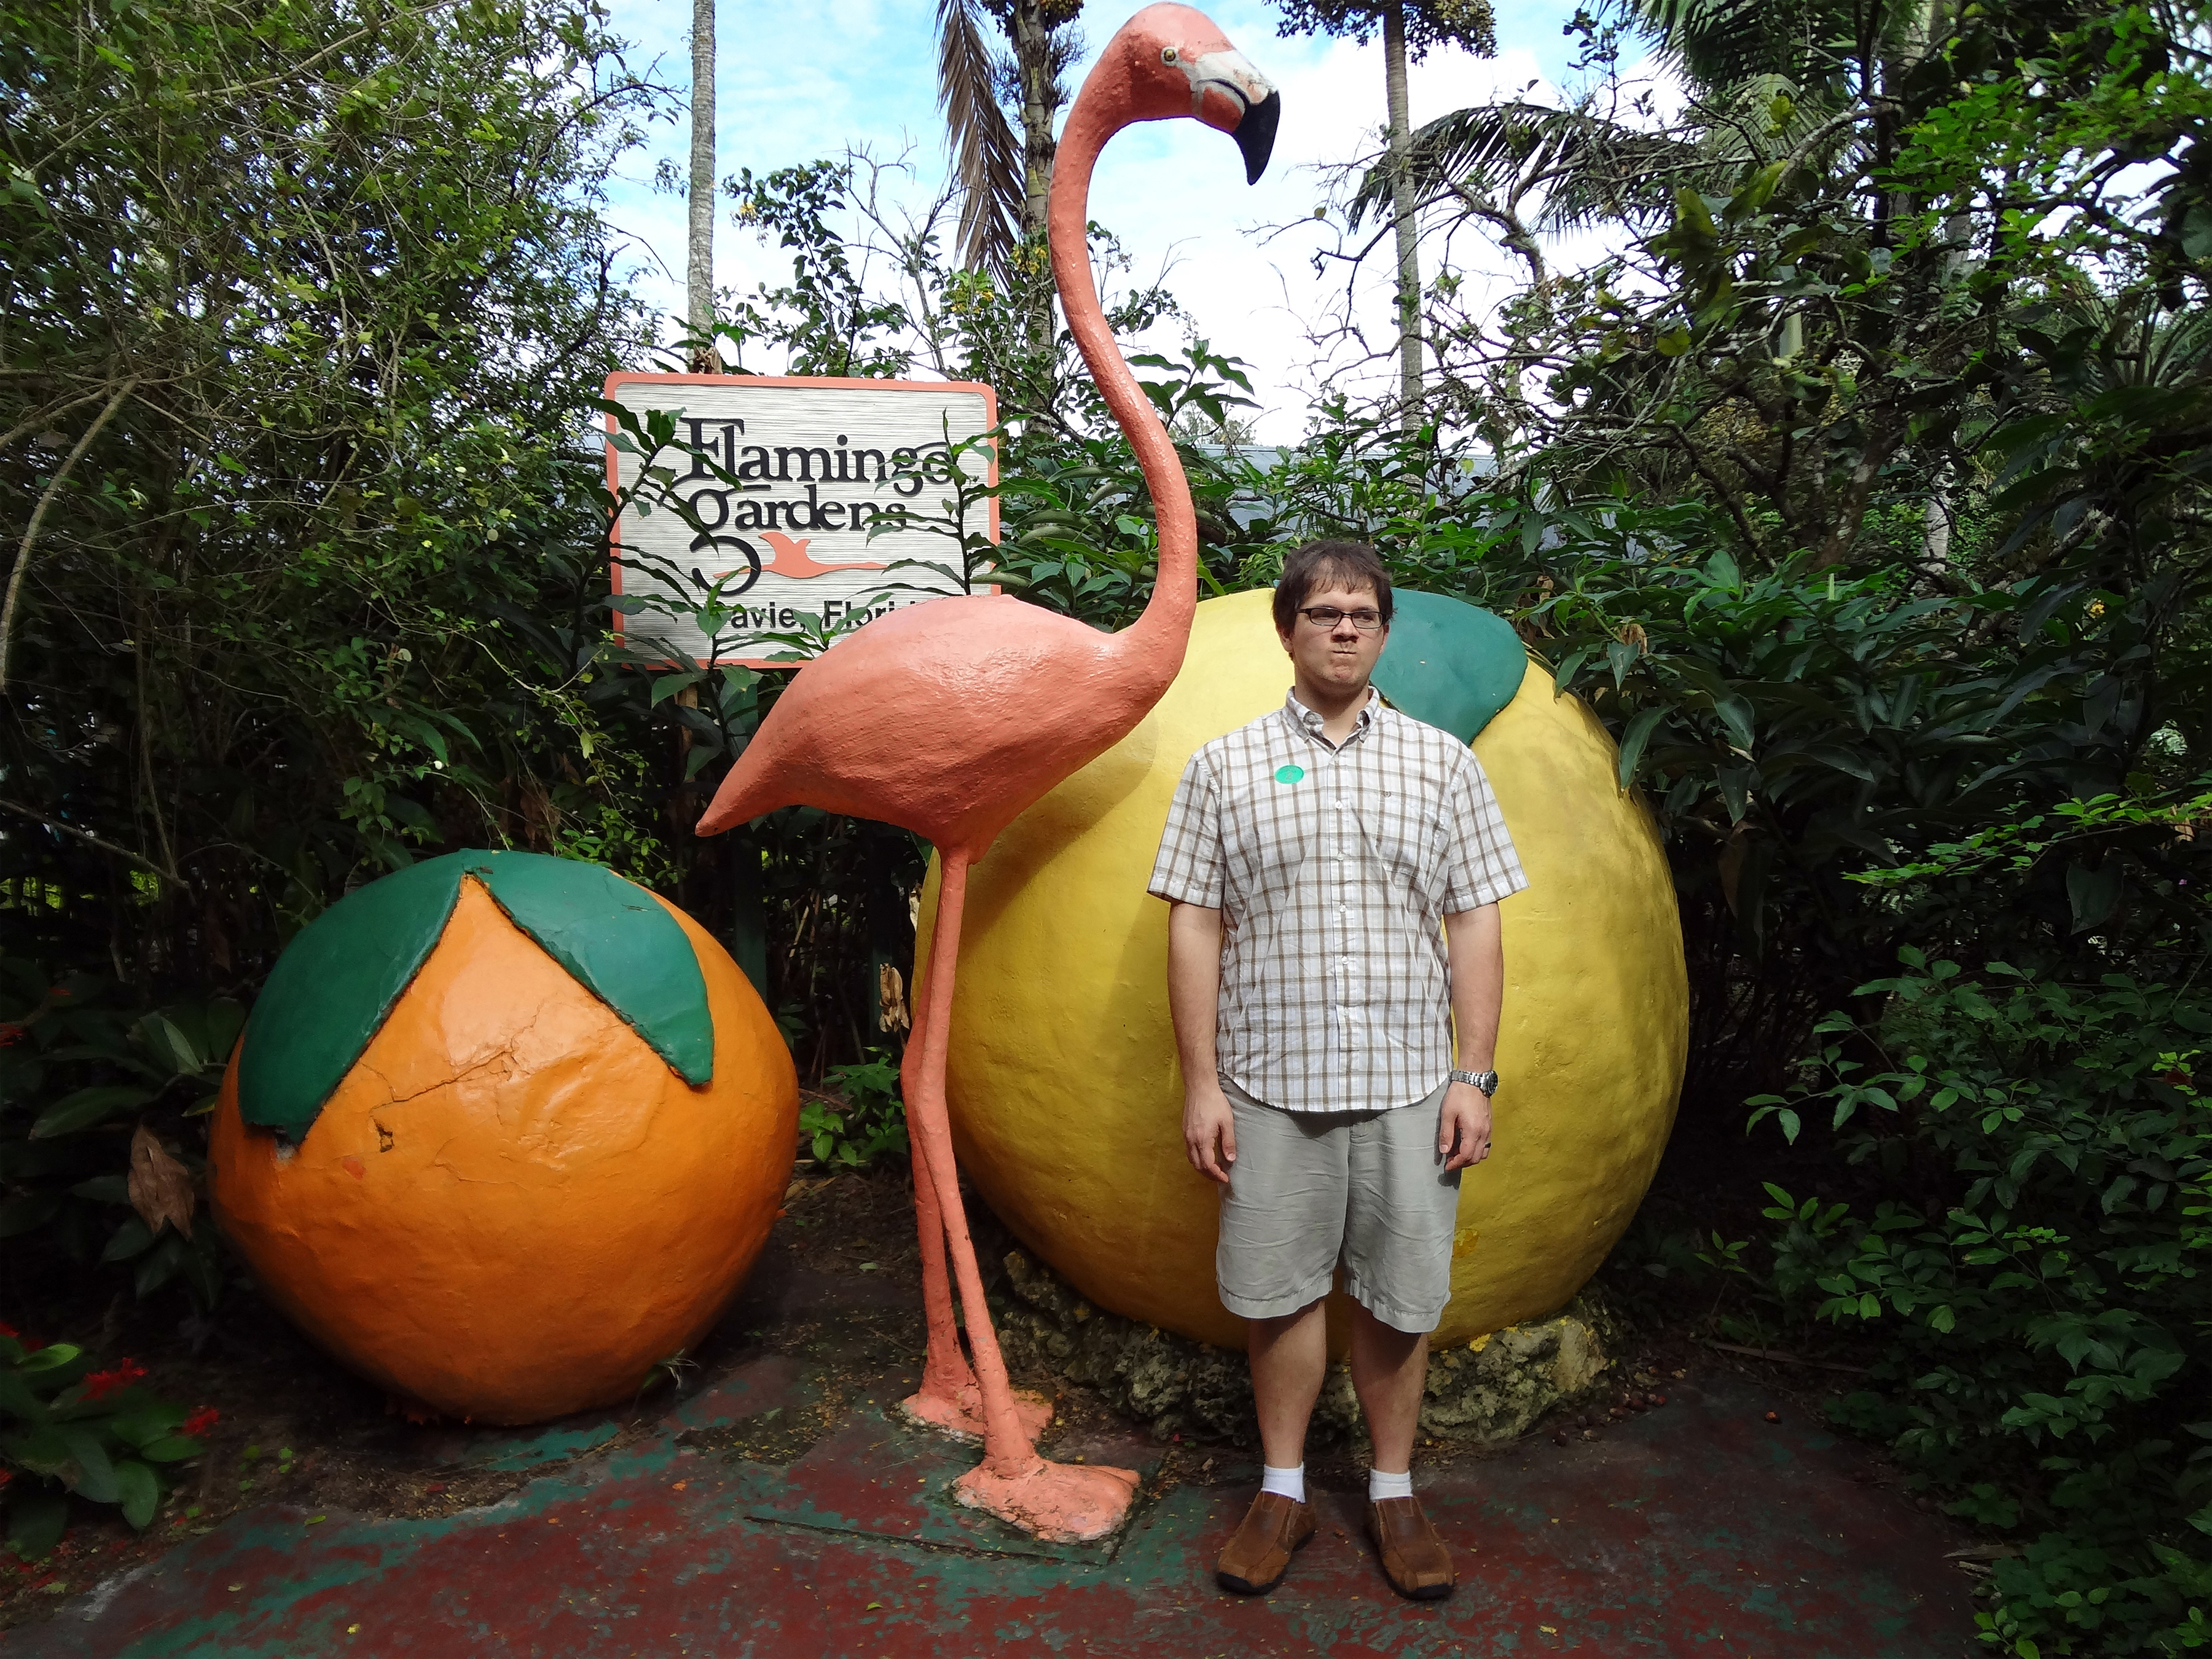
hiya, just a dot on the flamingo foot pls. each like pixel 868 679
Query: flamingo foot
pixel 1058 1503
pixel 960 1414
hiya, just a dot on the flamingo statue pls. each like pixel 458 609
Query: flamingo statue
pixel 952 718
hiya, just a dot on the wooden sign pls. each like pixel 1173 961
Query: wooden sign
pixel 803 492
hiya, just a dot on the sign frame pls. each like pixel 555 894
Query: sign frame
pixel 623 379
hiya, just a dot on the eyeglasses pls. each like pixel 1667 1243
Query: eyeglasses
pixel 1327 616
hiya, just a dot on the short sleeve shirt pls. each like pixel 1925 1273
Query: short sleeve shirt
pixel 1333 866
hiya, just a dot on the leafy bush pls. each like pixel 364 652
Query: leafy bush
pixel 2033 1282
pixel 86 1088
pixel 867 1122
pixel 67 1426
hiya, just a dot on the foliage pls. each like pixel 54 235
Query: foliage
pixel 2030 1273
pixel 1426 23
pixel 825 318
pixel 67 1425
pixel 77 1070
pixel 863 1120
pixel 337 277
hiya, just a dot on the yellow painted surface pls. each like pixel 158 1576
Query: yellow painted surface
pixel 511 1208
pixel 1066 1098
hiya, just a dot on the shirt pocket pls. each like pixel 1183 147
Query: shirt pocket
pixel 1409 838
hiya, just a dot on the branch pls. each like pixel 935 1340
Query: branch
pixel 105 846
pixel 38 517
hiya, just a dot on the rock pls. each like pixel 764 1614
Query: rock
pixel 1494 1388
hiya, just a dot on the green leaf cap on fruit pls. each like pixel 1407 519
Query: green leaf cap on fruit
pixel 337 981
pixel 1450 664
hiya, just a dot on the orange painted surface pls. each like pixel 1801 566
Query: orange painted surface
pixel 512 1208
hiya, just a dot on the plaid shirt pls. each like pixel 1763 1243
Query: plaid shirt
pixel 1333 866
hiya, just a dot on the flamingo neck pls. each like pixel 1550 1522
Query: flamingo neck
pixel 1163 630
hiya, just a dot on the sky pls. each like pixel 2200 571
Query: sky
pixel 798 81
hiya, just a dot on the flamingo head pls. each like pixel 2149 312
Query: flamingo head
pixel 1173 61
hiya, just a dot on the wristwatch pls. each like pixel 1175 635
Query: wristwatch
pixel 1485 1081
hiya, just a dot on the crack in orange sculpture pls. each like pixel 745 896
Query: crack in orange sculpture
pixel 952 718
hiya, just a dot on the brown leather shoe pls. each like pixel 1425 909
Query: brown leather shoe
pixel 1272 1527
pixel 1415 1559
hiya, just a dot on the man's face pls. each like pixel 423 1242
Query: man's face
pixel 1340 656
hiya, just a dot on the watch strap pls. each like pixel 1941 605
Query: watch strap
pixel 1485 1081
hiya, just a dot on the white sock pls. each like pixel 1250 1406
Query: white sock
pixel 1290 1483
pixel 1381 1485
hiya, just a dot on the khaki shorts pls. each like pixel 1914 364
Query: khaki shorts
pixel 1311 1189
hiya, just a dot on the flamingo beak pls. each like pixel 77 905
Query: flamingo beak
pixel 1245 90
pixel 1256 134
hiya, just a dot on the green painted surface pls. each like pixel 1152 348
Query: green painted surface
pixel 515 1451
pixel 336 984
pixel 1449 663
pixel 614 937
pixel 331 988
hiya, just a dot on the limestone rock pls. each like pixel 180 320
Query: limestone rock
pixel 1491 1389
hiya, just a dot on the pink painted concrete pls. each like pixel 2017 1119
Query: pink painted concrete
pixel 952 718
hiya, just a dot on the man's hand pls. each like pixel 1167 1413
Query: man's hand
pixel 1462 1132
pixel 1209 1132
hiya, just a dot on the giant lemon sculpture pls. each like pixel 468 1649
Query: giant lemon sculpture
pixel 503 1131
pixel 1066 1097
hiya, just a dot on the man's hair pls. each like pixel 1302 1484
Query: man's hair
pixel 1348 565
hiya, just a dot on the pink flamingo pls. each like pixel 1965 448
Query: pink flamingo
pixel 952 718
pixel 790 557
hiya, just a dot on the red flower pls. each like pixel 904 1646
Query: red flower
pixel 6 1475
pixel 10 1033
pixel 6 1329
pixel 201 1421
pixel 114 1379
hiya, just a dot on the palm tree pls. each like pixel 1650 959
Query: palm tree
pixel 1785 85
pixel 1407 26
pixel 1005 179
pixel 699 266
pixel 1790 80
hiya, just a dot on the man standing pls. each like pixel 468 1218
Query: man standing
pixel 1309 858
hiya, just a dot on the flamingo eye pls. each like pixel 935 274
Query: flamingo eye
pixel 1167 54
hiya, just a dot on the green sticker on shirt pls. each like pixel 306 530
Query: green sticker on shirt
pixel 1289 774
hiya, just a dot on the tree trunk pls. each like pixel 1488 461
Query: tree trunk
pixel 1032 41
pixel 699 272
pixel 1401 208
pixel 1033 58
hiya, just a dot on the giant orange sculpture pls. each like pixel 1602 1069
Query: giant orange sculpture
pixel 950 717
pixel 503 1133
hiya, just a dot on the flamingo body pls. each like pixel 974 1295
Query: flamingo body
pixel 949 719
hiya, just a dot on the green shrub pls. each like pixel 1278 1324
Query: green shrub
pixel 867 1120
pixel 85 1076
pixel 2034 1280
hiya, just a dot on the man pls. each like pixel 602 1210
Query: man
pixel 1308 858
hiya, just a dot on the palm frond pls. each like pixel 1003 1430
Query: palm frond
pixel 1581 166
pixel 987 155
pixel 1719 43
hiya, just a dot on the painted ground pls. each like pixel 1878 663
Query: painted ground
pixel 745 1523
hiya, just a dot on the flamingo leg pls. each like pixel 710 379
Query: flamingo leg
pixel 1052 1500
pixel 948 1384
pixel 948 1399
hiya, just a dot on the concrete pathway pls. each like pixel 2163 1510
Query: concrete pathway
pixel 734 1528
